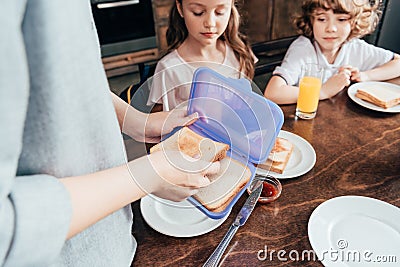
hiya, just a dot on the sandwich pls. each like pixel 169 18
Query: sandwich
pixel 226 184
pixel 379 96
pixel 279 156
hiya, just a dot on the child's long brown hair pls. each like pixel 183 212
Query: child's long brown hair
pixel 177 33
pixel 364 17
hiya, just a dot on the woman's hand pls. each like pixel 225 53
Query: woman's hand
pixel 168 175
pixel 151 127
pixel 161 123
pixel 171 174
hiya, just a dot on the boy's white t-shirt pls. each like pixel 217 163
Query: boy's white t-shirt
pixel 356 53
pixel 174 75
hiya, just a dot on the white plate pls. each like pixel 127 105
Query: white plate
pixel 179 219
pixel 356 231
pixel 300 162
pixel 385 86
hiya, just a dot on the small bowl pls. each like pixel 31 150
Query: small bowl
pixel 272 188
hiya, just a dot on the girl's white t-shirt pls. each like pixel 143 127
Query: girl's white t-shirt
pixel 355 52
pixel 173 76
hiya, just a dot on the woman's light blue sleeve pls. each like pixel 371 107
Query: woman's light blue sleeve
pixel 35 210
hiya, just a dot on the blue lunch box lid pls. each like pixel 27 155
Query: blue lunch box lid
pixel 230 112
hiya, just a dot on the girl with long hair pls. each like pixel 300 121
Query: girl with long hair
pixel 200 33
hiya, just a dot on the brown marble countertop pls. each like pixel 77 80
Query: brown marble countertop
pixel 357 154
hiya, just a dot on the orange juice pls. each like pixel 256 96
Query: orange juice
pixel 309 88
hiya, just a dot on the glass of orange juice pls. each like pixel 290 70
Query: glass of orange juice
pixel 309 89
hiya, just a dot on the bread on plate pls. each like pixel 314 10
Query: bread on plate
pixel 279 156
pixel 225 185
pixel 379 96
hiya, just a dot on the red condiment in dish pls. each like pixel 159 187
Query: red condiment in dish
pixel 269 190
pixel 272 188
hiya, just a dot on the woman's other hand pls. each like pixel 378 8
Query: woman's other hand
pixel 161 123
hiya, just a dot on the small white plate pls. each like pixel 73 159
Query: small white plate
pixel 355 231
pixel 178 219
pixel 385 86
pixel 300 162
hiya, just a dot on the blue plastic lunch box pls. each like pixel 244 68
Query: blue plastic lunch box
pixel 230 112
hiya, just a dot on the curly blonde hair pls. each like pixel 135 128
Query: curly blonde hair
pixel 177 33
pixel 364 16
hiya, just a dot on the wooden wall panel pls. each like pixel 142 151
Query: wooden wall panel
pixel 161 9
pixel 262 20
pixel 256 18
pixel 283 17
pixel 266 20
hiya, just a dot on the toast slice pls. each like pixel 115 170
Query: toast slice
pixel 379 97
pixel 226 184
pixel 232 177
pixel 193 145
pixel 279 156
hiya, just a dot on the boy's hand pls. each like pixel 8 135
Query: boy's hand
pixel 335 84
pixel 355 74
